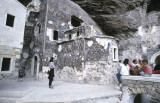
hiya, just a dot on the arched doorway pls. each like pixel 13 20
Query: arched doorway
pixel 154 57
pixel 142 98
pixel 137 99
pixel 157 60
pixel 35 65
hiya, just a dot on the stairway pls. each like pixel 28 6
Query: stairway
pixel 10 97
pixel 154 100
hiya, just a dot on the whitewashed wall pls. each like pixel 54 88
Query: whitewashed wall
pixel 12 36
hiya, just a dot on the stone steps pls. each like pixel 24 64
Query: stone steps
pixel 8 100
pixel 10 97
pixel 107 99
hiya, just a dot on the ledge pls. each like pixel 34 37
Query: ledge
pixel 153 78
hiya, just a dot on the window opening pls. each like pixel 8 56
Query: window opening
pixel 153 6
pixel 55 37
pixel 70 36
pixel 6 64
pixel 78 33
pixel 10 20
pixel 114 53
pixel 75 21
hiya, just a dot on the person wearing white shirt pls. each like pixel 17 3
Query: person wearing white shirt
pixel 124 70
pixel 119 69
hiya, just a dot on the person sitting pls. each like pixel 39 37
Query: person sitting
pixel 22 72
pixel 146 69
pixel 134 67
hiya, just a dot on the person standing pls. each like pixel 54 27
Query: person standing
pixel 118 70
pixel 125 67
pixel 51 72
pixel 124 70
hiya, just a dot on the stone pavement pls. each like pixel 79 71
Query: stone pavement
pixel 63 92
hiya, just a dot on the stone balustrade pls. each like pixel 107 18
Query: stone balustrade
pixel 143 85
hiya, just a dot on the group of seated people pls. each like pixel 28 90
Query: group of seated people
pixel 142 68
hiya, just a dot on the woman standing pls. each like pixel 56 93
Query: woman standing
pixel 51 72
pixel 125 67
pixel 123 70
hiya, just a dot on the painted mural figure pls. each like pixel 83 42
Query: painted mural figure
pixel 51 72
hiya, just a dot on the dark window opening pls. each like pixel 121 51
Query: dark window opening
pixel 6 64
pixel 114 53
pixel 25 2
pixel 55 37
pixel 76 22
pixel 35 58
pixel 78 33
pixel 10 20
pixel 35 64
pixel 154 5
pixel 39 29
pixel 70 36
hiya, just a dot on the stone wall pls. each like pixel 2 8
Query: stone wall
pixel 12 36
pixel 87 60
pixel 134 45
pixel 54 15
pixel 34 34
pixel 58 18
pixel 141 85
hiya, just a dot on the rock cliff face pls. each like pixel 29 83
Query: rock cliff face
pixel 134 22
pixel 119 16
pixel 115 16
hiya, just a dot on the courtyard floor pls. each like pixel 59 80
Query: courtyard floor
pixel 25 91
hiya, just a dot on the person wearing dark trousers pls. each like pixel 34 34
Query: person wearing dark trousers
pixel 51 75
pixel 51 72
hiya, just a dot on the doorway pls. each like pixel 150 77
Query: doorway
pixel 157 60
pixel 35 66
